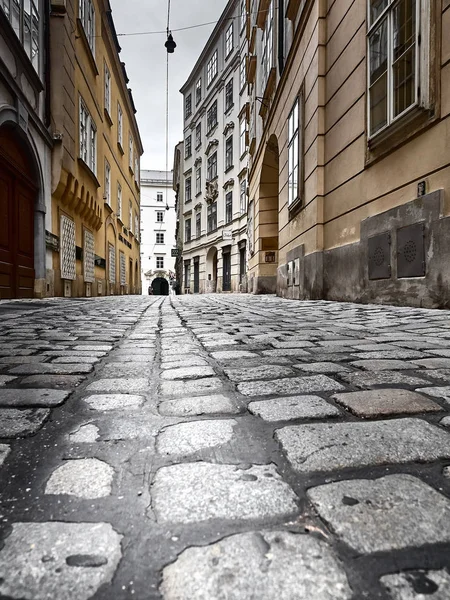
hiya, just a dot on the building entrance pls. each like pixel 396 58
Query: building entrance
pixel 160 287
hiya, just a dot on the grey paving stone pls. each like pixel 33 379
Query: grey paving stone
pixel 383 402
pixel 94 348
pixel 35 560
pixel 85 434
pixel 369 379
pixel 185 388
pixel 22 360
pixel 120 385
pixel 187 438
pixel 383 365
pixel 291 385
pixel 257 565
pixel 194 492
pixel 293 407
pixel 229 355
pixel 187 361
pixel 296 343
pixel 446 472
pixel 434 363
pixel 391 355
pixel 196 406
pixel 287 352
pixel 322 367
pixel 258 373
pixel 442 352
pixel 438 374
pixel 4 379
pixel 126 370
pixel 390 513
pixel 72 354
pixel 21 422
pixel 88 478
pixel 418 585
pixel 330 446
pixel 48 368
pixel 4 451
pixel 131 358
pixel 436 392
pixel 42 397
pixel 187 373
pixel 76 360
pixel 445 421
pixel 114 401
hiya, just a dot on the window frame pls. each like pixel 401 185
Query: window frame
pixel 229 93
pixel 212 112
pixel 161 260
pixel 198 180
pixel 229 153
pixel 188 147
pixel 187 230
pixel 198 225
pixel 198 91
pixel 295 151
pixel 188 189
pixel 229 40
pixel 131 153
pixel 267 45
pixel 211 217
pixel 242 73
pixel 228 207
pixel 211 167
pixel 160 213
pixel 107 182
pixel 119 200
pixel 160 238
pixel 30 25
pixel 212 68
pixel 198 135
pixel 119 125
pixel 372 26
pixel 107 99
pixel 243 197
pixel 243 137
pixel 87 131
pixel 86 14
pixel 159 196
pixel 188 106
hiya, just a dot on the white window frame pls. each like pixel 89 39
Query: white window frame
pixel 198 135
pixel 242 136
pixel 159 238
pixel 188 106
pixel 119 125
pixel 243 196
pixel 294 158
pixel 107 197
pixel 159 197
pixel 198 180
pixel 212 167
pixel 188 228
pixel 211 68
pixel 27 25
pixel 188 188
pixel 421 70
pixel 243 14
pixel 107 90
pixel 119 201
pixel 160 216
pixel 131 153
pixel 88 137
pixel 228 204
pixel 229 153
pixel 242 72
pixel 198 91
pixel 87 18
pixel 160 260
pixel 229 41
pixel 267 45
pixel 130 217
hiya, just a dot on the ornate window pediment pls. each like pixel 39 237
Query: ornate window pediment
pixel 228 184
pixel 228 127
pixel 198 161
pixel 212 191
pixel 211 145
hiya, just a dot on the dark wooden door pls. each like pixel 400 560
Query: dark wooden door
pixel 196 277
pixel 227 272
pixel 16 235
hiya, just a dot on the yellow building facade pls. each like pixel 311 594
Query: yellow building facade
pixel 93 245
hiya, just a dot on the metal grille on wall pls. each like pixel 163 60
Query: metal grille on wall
pixel 123 274
pixel 68 248
pixel 89 257
pixel 112 263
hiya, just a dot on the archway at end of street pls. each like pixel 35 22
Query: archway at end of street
pixel 160 287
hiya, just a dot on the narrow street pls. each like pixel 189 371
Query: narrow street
pixel 223 447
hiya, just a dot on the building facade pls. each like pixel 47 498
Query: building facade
pixel 158 225
pixel 25 148
pixel 214 163
pixel 94 240
pixel 179 204
pixel 349 174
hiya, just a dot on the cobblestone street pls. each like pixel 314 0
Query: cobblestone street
pixel 223 447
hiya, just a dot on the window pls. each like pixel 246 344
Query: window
pixel 119 201
pixel 136 168
pixel 87 18
pixel 187 189
pixel 228 208
pixel 160 238
pixel 160 216
pixel 25 20
pixel 242 137
pixel 295 151
pixel 130 217
pixel 188 147
pixel 243 14
pixel 160 262
pixel 88 138
pixel 159 197
pixel 187 274
pixel 119 125
pixel 211 172
pixel 188 106
pixel 131 156
pixel 107 90
pixel 267 46
pixel 107 196
pixel 243 197
pixel 211 215
pixel 229 95
pixel 393 60
pixel 187 230
pixel 198 181
pixel 229 40
pixel 198 225
pixel 242 73
pixel 136 225
pixel 198 136
pixel 229 153
pixel 198 92
pixel 211 117
pixel 211 69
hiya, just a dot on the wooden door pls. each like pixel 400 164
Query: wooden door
pixel 226 272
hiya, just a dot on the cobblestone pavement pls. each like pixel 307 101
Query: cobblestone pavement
pixel 223 448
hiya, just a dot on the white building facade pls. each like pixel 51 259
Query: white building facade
pixel 158 223
pixel 214 165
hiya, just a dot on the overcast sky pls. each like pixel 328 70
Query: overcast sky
pixel 145 58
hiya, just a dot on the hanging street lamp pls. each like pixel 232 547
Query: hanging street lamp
pixel 170 44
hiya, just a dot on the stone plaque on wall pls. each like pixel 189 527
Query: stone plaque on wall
pixel 380 256
pixel 411 251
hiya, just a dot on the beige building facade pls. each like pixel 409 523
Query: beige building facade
pixel 349 177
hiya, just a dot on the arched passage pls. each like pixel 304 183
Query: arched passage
pixel 160 287
pixel 266 220
pixel 18 199
pixel 211 270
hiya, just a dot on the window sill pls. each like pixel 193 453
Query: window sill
pixel 198 147
pixel 108 118
pixel 89 171
pixel 108 206
pixel 187 156
pixel 229 110
pixel 131 170
pixel 230 168
pixel 121 150
pixel 212 130
pixel 242 156
pixel 295 208
pixel 83 37
pixel 198 194
pixel 188 201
